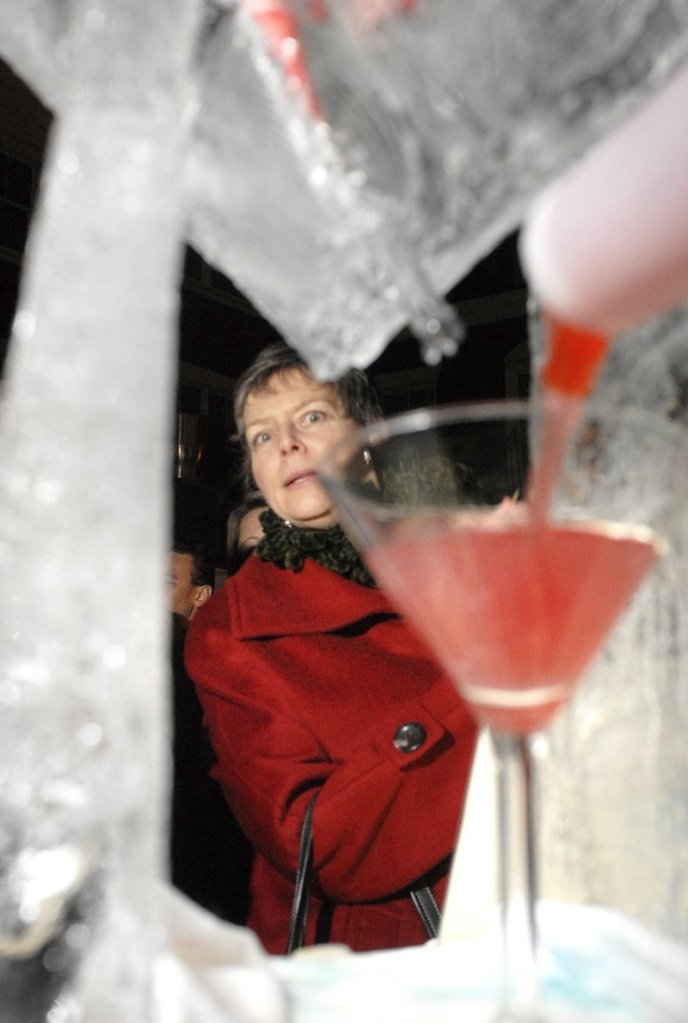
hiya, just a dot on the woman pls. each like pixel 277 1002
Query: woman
pixel 312 683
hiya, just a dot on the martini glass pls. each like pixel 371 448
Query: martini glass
pixel 514 599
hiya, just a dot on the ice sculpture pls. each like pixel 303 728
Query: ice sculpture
pixel 435 122
pixel 285 206
pixel 607 246
pixel 614 788
pixel 419 156
pixel 85 449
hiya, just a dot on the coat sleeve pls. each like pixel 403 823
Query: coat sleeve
pixel 383 818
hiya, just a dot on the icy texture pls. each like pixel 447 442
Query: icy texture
pixel 352 160
pixel 332 195
pixel 614 800
pixel 274 204
pixel 373 172
pixel 85 455
pixel 492 98
pixel 436 123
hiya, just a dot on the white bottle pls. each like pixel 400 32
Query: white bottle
pixel 606 246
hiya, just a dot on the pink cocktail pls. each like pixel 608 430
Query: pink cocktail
pixel 514 608
pixel 515 597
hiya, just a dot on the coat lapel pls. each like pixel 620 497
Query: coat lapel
pixel 268 601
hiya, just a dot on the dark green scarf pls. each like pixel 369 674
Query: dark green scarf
pixel 288 546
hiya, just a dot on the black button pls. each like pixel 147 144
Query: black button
pixel 409 737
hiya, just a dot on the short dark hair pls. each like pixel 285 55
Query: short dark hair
pixel 202 562
pixel 355 391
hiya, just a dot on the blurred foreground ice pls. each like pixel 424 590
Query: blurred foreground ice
pixel 349 161
pixel 344 186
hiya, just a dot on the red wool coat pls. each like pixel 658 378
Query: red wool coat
pixel 305 679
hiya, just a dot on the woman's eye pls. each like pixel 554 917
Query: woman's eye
pixel 259 439
pixel 315 416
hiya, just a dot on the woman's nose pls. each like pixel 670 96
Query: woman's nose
pixel 290 439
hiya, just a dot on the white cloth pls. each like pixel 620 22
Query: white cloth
pixel 597 965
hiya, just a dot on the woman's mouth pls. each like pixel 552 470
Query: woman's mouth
pixel 298 479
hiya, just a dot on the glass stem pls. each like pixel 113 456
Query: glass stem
pixel 517 877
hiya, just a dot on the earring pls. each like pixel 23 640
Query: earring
pixel 367 457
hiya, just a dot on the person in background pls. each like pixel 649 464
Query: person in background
pixel 191 577
pixel 244 530
pixel 312 685
pixel 209 856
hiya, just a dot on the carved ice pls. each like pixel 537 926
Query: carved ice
pixel 614 787
pixel 435 123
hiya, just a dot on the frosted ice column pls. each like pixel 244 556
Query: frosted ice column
pixel 614 807
pixel 84 470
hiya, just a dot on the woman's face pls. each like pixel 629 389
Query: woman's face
pixel 288 428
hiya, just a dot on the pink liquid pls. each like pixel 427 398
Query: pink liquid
pixel 515 611
pixel 574 359
pixel 561 415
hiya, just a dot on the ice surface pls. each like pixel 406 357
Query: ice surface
pixel 342 218
pixel 351 161
pixel 85 454
pixel 274 204
pixel 615 806
pixel 435 124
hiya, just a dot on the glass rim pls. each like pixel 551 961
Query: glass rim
pixel 506 409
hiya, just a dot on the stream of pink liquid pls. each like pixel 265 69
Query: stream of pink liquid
pixel 574 357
